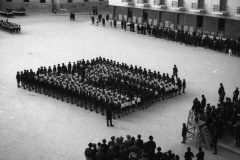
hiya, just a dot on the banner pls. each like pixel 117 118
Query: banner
pixel 185 28
pixel 119 17
pixel 134 19
pixel 155 22
pixel 125 17
pixel 167 24
pixel 149 21
pixel 172 26
pixel 139 19
pixel 161 24
pixel 191 29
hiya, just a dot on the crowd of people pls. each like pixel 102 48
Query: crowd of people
pixel 230 46
pixel 13 12
pixel 102 85
pixel 133 149
pixel 225 115
pixel 9 26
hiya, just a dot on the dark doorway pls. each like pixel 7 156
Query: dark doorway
pixel 199 21
pixel 221 24
pixel 145 16
pixel 114 12
pixel 130 13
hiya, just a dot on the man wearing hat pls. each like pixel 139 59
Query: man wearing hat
pixel 151 147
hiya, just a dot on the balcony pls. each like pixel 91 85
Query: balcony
pixel 143 3
pixel 128 2
pixel 217 11
pixel 176 6
pixel 160 4
pixel 195 8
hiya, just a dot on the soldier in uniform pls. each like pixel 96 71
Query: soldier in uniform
pixel 184 85
pixel 18 77
pixel 175 71
pixel 109 116
pixel 221 93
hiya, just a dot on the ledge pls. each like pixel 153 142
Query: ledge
pixel 160 6
pixel 222 13
pixel 144 4
pixel 179 8
pixel 129 3
pixel 199 10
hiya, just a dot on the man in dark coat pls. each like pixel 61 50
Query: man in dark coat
pixel 151 147
pixel 184 85
pixel 89 152
pixel 109 116
pixel 188 155
pixel 184 133
pixel 200 154
pixel 18 77
pixel 221 93
pixel 175 71
pixel 235 95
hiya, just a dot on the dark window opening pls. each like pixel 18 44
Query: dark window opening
pixel 199 21
pixel 42 1
pixel 221 24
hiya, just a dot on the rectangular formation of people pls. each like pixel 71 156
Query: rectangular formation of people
pixel 102 84
pixel 9 26
pixel 13 12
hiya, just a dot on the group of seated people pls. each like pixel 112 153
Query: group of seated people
pixel 9 27
pixel 225 115
pixel 133 149
pixel 12 12
pixel 186 37
pixel 101 83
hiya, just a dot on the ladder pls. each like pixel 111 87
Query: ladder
pixel 197 130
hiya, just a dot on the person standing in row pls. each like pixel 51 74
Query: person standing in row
pixel 175 71
pixel 184 85
pixel 235 95
pixel 200 154
pixel 109 116
pixel 184 133
pixel 221 93
pixel 188 155
pixel 18 77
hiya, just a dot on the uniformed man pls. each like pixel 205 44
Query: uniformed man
pixel 18 77
pixel 175 71
pixel 109 116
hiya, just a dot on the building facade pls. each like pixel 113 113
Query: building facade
pixel 58 5
pixel 214 17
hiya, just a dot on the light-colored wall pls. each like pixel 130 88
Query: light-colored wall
pixel 208 5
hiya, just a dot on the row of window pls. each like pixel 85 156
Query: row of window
pixel 195 6
pixel 44 1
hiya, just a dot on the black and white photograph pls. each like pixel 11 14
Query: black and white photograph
pixel 119 79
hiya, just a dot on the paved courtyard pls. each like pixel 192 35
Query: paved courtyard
pixel 37 127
